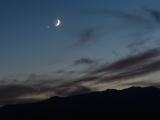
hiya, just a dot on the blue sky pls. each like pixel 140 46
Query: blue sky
pixel 92 34
pixel 27 45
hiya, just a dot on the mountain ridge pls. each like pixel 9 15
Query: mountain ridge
pixel 140 102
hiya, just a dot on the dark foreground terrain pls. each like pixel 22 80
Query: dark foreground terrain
pixel 133 103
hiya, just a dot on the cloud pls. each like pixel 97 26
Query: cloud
pixel 154 13
pixel 142 22
pixel 128 61
pixel 79 81
pixel 131 20
pixel 35 88
pixel 115 53
pixel 130 74
pixel 75 90
pixel 144 83
pixel 60 71
pixel 32 77
pixel 138 43
pixel 32 88
pixel 23 92
pixel 84 61
pixel 121 70
pixel 46 86
pixel 86 36
pixel 10 93
pixel 127 16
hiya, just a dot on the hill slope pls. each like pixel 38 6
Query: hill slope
pixel 131 103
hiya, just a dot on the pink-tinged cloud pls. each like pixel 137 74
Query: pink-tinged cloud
pixel 123 69
pixel 129 61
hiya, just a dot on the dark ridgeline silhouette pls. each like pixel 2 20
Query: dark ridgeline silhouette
pixel 132 103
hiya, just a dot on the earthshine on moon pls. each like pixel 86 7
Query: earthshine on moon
pixel 57 22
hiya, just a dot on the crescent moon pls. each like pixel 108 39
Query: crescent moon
pixel 58 22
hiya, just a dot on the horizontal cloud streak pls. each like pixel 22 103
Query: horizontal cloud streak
pixel 84 61
pixel 133 18
pixel 129 61
pixel 123 69
pixel 75 90
pixel 47 86
pixel 149 68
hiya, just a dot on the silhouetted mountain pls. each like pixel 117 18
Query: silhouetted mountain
pixel 131 103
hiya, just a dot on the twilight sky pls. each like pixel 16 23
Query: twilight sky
pixel 100 44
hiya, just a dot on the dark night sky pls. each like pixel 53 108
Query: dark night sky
pixel 99 44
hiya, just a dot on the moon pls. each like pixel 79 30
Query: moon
pixel 57 23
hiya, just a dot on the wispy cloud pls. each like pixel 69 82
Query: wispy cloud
pixel 86 36
pixel 129 61
pixel 37 87
pixel 154 13
pixel 84 61
pixel 139 83
pixel 115 53
pixel 128 16
pixel 137 72
pixel 131 20
pixel 143 24
pixel 138 43
pixel 10 93
pixel 121 70
pixel 14 90
pixel 75 90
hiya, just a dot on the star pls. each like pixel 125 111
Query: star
pixel 48 27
